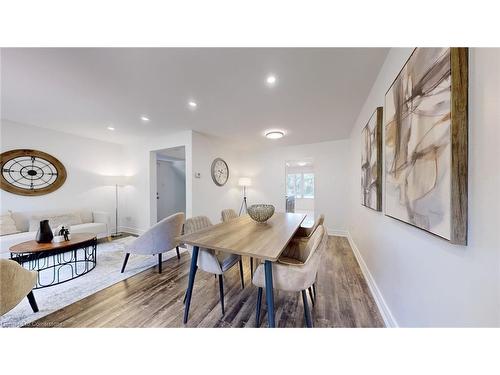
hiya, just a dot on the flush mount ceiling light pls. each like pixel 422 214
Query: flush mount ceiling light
pixel 275 134
pixel 144 118
pixel 192 104
pixel 110 128
pixel 302 163
pixel 271 80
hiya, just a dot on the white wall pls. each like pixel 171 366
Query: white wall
pixel 267 168
pixel 208 198
pixel 86 161
pixel 424 280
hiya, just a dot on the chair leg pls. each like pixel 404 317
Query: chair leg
pixel 307 313
pixel 259 305
pixel 32 301
pixel 314 290
pixel 185 295
pixel 311 295
pixel 251 267
pixel 178 254
pixel 221 290
pixel 241 274
pixel 125 262
pixel 159 263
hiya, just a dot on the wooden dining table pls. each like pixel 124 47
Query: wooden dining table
pixel 243 236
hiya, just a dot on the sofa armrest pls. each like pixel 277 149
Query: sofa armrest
pixel 102 217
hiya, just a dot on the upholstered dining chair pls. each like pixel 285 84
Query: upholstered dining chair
pixel 160 238
pixel 298 245
pixel 16 282
pixel 212 261
pixel 295 274
pixel 229 214
pixel 306 232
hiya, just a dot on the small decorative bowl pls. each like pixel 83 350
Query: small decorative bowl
pixel 261 212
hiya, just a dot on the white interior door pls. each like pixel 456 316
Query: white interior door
pixel 171 187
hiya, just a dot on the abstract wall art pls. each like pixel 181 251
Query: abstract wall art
pixel 426 143
pixel 371 162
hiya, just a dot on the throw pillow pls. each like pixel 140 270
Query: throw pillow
pixel 7 225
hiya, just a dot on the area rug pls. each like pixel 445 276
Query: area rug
pixel 110 257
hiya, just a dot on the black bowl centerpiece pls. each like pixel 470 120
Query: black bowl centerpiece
pixel 261 212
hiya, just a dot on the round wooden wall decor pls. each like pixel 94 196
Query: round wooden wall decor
pixel 31 172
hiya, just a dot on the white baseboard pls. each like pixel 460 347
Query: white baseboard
pixel 337 232
pixel 389 319
pixel 131 230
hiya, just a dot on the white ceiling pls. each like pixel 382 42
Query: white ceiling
pixel 319 91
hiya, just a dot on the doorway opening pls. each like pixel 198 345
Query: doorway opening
pixel 170 181
pixel 300 187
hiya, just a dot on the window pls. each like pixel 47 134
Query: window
pixel 300 184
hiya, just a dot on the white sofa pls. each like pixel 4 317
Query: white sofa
pixel 87 222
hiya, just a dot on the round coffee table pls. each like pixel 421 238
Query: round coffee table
pixel 58 262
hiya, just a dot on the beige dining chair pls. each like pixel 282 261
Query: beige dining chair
pixel 295 274
pixel 229 214
pixel 16 282
pixel 212 261
pixel 306 232
pixel 160 238
pixel 298 245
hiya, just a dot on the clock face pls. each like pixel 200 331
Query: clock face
pixel 220 172
pixel 31 172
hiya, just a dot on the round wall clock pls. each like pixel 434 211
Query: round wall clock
pixel 220 172
pixel 30 172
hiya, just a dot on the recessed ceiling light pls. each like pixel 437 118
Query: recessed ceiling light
pixel 192 104
pixel 110 128
pixel 275 134
pixel 144 118
pixel 271 80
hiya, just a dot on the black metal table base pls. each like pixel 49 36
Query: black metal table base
pixel 59 266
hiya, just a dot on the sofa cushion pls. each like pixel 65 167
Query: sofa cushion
pixel 55 220
pixel 13 239
pixel 86 216
pixel 97 228
pixel 7 224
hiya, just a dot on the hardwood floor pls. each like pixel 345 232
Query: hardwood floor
pixel 149 299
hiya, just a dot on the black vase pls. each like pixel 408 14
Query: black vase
pixel 44 234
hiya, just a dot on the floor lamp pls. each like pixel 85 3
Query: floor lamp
pixel 117 181
pixel 244 182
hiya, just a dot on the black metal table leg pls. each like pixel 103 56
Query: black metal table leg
pixel 268 267
pixel 192 274
pixel 51 262
pixel 32 301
